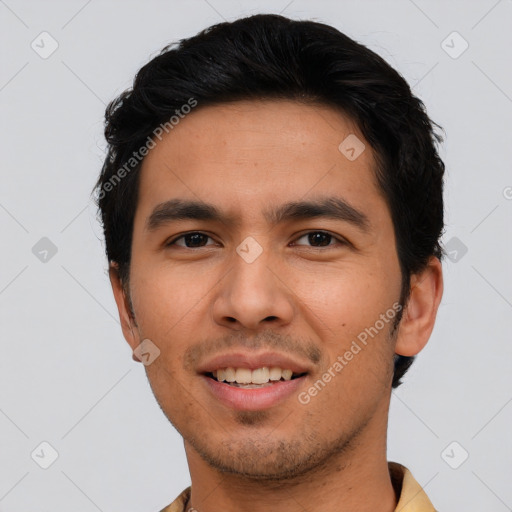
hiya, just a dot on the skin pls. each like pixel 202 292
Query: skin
pixel 309 299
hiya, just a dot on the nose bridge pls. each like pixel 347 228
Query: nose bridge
pixel 251 292
pixel 251 276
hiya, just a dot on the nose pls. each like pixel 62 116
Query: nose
pixel 254 295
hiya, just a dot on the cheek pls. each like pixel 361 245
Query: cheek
pixel 165 295
pixel 346 300
pixel 174 398
pixel 347 307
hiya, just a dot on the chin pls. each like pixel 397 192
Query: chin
pixel 269 459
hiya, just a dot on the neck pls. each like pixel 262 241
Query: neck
pixel 355 479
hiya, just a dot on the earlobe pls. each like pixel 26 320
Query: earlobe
pixel 123 306
pixel 420 313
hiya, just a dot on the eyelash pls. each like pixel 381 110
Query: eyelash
pixel 340 240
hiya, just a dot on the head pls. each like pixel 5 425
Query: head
pixel 245 117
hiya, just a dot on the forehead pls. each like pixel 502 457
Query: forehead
pixel 248 155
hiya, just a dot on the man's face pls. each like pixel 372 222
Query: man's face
pixel 253 290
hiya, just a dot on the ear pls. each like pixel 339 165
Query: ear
pixel 420 313
pixel 128 324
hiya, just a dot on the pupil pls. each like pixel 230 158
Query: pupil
pixel 315 236
pixel 195 237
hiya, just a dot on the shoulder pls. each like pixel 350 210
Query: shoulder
pixel 178 505
pixel 412 497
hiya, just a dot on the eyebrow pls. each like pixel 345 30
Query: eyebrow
pixel 327 207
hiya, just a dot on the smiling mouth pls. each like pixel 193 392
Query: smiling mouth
pixel 252 379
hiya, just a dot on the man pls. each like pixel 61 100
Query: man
pixel 272 208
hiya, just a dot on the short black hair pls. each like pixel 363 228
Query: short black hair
pixel 268 56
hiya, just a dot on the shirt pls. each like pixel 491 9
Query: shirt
pixel 412 495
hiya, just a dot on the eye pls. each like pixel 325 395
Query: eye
pixel 320 239
pixel 197 239
pixel 191 240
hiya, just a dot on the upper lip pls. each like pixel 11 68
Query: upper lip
pixel 252 361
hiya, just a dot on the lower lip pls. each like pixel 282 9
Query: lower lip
pixel 255 399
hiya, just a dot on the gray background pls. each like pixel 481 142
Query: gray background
pixel 66 374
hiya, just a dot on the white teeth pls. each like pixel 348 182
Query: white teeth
pixel 246 376
pixel 243 376
pixel 287 374
pixel 260 375
pixel 230 374
pixel 275 373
